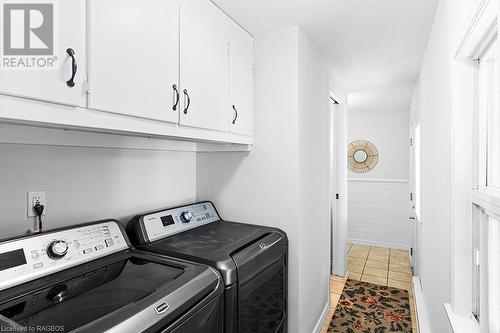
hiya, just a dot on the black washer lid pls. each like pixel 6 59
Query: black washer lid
pixel 212 244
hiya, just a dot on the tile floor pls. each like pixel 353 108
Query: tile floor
pixel 377 265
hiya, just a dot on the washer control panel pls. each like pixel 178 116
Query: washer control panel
pixel 32 257
pixel 173 221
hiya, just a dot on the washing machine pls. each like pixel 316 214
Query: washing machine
pixel 87 278
pixel 252 259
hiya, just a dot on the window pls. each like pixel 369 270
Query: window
pixel 486 195
pixel 488 121
pixel 486 304
pixel 476 263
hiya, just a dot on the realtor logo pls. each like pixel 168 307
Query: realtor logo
pixel 28 29
pixel 28 35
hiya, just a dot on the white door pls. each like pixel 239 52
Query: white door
pixel 204 65
pixel 134 58
pixel 414 181
pixel 241 81
pixel 22 76
pixel 338 175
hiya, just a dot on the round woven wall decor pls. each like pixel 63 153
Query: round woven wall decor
pixel 362 156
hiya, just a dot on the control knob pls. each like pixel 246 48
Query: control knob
pixel 186 217
pixel 57 249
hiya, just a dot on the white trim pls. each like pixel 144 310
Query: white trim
pixel 379 180
pixel 207 147
pixel 482 22
pixel 487 198
pixel 460 324
pixel 338 185
pixel 394 246
pixel 420 310
pixel 40 136
pixel 21 111
pixel 324 313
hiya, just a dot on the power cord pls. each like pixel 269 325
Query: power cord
pixel 38 209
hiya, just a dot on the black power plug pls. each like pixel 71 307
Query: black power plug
pixel 38 209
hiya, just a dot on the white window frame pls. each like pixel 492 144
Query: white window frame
pixel 481 192
pixel 469 199
pixel 485 199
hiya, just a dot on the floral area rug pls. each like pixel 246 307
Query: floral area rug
pixel 369 308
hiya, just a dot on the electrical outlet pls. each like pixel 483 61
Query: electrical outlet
pixel 34 198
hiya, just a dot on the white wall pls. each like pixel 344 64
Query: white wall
pixel 85 184
pixel 283 181
pixel 260 186
pixel 433 103
pixel 389 130
pixel 433 100
pixel 378 200
pixel 378 213
pixel 314 184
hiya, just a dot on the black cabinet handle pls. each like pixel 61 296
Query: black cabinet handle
pixel 177 97
pixel 235 114
pixel 188 102
pixel 74 67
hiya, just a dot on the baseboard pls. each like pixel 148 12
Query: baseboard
pixel 422 319
pixel 378 244
pixel 319 324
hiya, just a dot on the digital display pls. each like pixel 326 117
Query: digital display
pixel 167 220
pixel 12 259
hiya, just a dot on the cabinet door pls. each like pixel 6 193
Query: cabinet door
pixel 204 65
pixel 134 57
pixel 27 70
pixel 241 81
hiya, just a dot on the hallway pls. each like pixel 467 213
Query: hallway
pixel 383 266
pixel 375 265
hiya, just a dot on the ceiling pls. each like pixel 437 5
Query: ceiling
pixel 369 45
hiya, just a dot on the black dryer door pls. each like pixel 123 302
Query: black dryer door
pixel 262 278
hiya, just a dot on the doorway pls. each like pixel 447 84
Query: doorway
pixel 415 203
pixel 338 188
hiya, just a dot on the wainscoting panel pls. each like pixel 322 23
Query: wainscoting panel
pixel 379 212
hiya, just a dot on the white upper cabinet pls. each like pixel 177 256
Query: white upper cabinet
pixel 241 81
pixel 40 35
pixel 204 65
pixel 168 68
pixel 134 58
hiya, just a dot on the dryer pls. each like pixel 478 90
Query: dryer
pixel 252 259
